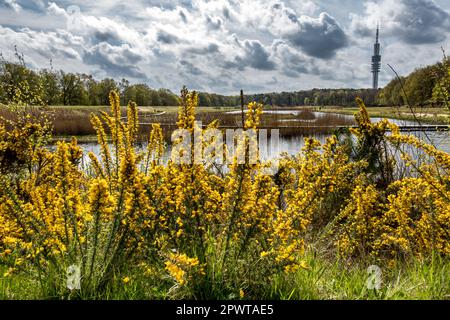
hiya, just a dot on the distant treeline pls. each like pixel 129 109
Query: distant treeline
pixel 50 87
pixel 428 85
pixel 316 97
pixel 18 83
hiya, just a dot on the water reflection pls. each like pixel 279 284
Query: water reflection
pixel 292 144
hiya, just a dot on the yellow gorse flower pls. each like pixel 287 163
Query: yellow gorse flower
pixel 194 223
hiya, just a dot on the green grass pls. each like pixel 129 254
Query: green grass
pixel 323 279
pixel 426 114
pixel 412 279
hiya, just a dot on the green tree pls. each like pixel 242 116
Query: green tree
pixel 52 90
pixel 123 86
pixel 419 85
pixel 105 87
pixel 19 84
pixel 72 89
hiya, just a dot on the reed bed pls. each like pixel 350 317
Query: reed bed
pixel 76 122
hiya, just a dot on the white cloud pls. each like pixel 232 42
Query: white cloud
pixel 223 45
pixel 47 44
pixel 119 61
pixel 12 4
pixel 411 21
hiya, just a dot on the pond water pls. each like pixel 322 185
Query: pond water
pixel 292 144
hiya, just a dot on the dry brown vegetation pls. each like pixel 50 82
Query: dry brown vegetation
pixel 75 122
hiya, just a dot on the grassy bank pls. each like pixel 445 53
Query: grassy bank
pixel 320 279
pixel 426 115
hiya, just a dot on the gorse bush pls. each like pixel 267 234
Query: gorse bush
pixel 397 217
pixel 19 84
pixel 209 231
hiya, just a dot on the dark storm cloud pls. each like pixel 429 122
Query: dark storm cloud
pixel 423 22
pixel 183 16
pixel 320 38
pixel 50 52
pixel 226 13
pixel 166 37
pixel 106 36
pixel 291 62
pixel 363 31
pixel 411 21
pixel 190 68
pixel 209 49
pixel 294 72
pixel 10 4
pixel 255 56
pixel 117 61
pixel 213 23
pixel 35 6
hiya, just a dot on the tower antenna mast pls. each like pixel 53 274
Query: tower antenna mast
pixel 376 60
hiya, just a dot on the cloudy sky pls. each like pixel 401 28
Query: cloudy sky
pixel 225 45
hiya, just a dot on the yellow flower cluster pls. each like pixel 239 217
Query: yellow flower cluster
pixel 181 268
pixel 22 140
pixel 128 206
pixel 253 115
pixel 411 215
pixel 186 113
